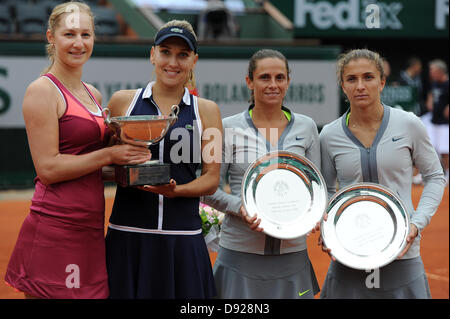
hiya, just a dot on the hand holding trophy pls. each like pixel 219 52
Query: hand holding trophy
pixel 136 130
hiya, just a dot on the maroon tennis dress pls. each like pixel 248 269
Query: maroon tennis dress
pixel 60 251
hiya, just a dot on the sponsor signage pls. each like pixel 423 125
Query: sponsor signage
pixel 313 90
pixel 368 18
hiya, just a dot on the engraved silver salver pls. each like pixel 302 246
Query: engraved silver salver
pixel 286 191
pixel 366 227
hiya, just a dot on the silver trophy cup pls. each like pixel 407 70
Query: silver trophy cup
pixel 135 130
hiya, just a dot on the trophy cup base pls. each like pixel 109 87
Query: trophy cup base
pixel 143 174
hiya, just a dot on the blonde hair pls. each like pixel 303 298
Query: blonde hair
pixel 356 54
pixel 190 83
pixel 54 21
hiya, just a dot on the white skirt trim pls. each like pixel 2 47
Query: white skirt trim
pixel 154 231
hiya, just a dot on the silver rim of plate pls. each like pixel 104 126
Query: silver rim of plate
pixel 366 227
pixel 139 118
pixel 286 191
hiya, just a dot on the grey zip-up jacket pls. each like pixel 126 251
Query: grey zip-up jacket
pixel 242 145
pixel 401 142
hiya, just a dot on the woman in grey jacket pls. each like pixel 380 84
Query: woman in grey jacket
pixel 373 142
pixel 251 264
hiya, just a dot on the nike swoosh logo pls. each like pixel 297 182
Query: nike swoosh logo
pixel 302 293
pixel 298 138
pixel 395 139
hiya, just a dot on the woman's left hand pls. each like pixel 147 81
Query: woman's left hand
pixel 314 230
pixel 167 190
pixel 413 232
pixel 252 222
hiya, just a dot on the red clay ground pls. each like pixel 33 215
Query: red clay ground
pixel 435 244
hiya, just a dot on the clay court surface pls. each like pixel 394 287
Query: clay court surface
pixel 434 247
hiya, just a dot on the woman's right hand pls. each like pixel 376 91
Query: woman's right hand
pixel 252 222
pixel 126 154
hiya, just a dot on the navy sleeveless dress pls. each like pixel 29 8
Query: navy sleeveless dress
pixel 154 244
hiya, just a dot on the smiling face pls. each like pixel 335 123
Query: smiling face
pixel 270 81
pixel 173 61
pixel 73 43
pixel 362 83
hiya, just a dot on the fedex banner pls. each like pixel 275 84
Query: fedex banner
pixel 368 18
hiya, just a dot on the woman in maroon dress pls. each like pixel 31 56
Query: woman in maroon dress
pixel 60 251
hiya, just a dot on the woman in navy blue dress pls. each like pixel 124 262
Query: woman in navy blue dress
pixel 155 247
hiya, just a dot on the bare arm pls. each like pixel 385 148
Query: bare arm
pixel 211 148
pixel 120 101
pixel 208 182
pixel 42 107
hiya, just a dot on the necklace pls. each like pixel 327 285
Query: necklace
pixel 354 124
pixel 83 102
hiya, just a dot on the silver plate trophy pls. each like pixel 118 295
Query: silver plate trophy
pixel 138 129
pixel 366 227
pixel 286 191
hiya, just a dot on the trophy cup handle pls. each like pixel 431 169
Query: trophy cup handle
pixel 113 125
pixel 106 113
pixel 175 109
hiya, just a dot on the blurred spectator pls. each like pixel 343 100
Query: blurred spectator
pixel 216 22
pixel 437 103
pixel 411 76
